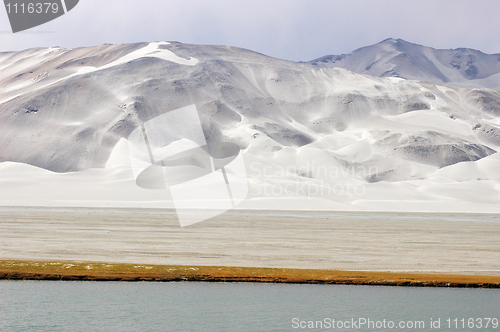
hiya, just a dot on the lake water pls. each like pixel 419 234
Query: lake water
pixel 197 306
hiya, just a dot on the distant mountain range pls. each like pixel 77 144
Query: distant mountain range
pixel 388 117
pixel 398 58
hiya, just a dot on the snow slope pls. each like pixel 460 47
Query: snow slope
pixel 312 136
pixel 398 58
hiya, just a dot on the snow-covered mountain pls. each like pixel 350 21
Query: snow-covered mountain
pixel 398 58
pixel 352 140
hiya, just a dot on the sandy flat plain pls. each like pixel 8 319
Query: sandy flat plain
pixel 368 241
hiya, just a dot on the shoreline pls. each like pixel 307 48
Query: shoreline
pixel 92 271
pixel 398 242
pixel 249 211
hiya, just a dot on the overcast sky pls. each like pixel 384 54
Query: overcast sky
pixel 298 30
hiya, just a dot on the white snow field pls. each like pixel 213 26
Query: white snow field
pixel 312 136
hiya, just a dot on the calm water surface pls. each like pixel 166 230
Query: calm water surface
pixel 192 306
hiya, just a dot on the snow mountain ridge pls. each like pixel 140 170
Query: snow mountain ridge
pixel 353 141
pixel 398 58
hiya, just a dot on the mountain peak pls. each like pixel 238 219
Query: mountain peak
pixel 399 58
pixel 393 40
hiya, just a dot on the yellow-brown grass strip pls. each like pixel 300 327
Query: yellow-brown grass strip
pixel 45 270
